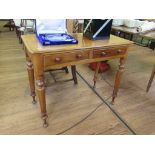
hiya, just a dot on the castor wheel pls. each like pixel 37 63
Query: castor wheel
pixel 34 102
pixel 112 102
pixel 44 117
pixel 45 125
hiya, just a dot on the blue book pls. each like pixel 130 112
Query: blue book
pixel 53 32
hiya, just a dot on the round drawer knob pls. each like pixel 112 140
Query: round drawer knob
pixel 119 51
pixel 57 59
pixel 79 56
pixel 103 53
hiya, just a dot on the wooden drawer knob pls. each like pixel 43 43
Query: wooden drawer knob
pixel 57 59
pixel 103 53
pixel 79 56
pixel 119 51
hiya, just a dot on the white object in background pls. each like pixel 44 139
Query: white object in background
pixel 147 26
pixel 29 23
pixel 139 23
pixel 118 22
pixel 81 21
pixel 130 23
pixel 17 22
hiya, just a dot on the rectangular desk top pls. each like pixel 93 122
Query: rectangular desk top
pixel 33 45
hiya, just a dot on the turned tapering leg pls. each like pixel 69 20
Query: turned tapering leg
pixel 40 85
pixel 118 78
pixel 73 69
pixel 151 79
pixel 31 80
pixel 96 73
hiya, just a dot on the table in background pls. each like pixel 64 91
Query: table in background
pixel 125 30
pixel 150 36
pixel 118 30
pixel 7 23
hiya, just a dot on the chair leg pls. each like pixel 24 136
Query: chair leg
pixel 16 31
pixel 20 39
pixel 151 79
pixel 66 70
pixel 73 69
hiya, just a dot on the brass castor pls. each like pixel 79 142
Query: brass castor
pixel 44 117
pixel 94 86
pixel 45 125
pixel 34 102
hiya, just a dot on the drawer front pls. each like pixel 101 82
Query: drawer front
pixel 60 58
pixel 98 53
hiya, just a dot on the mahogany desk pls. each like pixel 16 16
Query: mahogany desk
pixel 41 58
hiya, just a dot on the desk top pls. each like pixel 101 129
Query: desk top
pixel 33 45
pixel 125 29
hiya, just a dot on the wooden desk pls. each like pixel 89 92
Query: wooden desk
pixel 41 58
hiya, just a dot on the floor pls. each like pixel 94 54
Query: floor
pixel 77 109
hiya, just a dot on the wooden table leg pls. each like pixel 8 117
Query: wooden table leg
pixel 118 78
pixel 30 71
pixel 73 69
pixel 151 79
pixel 31 80
pixel 96 73
pixel 40 85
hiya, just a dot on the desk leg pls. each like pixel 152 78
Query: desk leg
pixel 118 78
pixel 30 71
pixel 40 86
pixel 96 73
pixel 151 79
pixel 38 61
pixel 73 69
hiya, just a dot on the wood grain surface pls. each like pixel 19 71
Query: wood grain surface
pixel 19 116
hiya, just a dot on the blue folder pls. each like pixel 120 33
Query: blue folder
pixel 53 32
